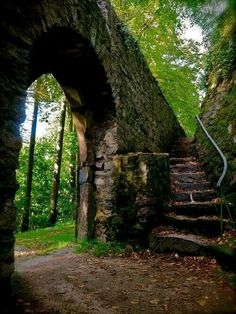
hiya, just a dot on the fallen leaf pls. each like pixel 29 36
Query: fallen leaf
pixel 201 302
pixel 165 307
pixel 154 302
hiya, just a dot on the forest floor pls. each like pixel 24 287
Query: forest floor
pixel 68 282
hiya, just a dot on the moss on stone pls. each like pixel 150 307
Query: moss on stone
pixel 218 111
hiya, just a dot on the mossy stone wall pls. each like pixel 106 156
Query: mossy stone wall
pixel 141 189
pixel 219 108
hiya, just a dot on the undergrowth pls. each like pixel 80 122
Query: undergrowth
pixel 47 240
pixel 99 248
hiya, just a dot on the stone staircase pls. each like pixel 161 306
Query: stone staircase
pixel 192 216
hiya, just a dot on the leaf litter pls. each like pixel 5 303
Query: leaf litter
pixel 137 282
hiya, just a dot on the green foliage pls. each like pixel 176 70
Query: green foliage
pixel 99 248
pixel 47 89
pixel 222 52
pixel 42 241
pixel 43 171
pixel 219 105
pixel 177 64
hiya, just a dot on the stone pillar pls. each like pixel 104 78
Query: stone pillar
pixel 140 189
pixel 10 144
pixel 105 149
pixel 86 211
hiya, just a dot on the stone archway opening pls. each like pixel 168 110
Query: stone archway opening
pixel 75 65
pixel 47 161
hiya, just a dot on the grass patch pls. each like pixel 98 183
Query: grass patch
pixel 99 248
pixel 43 241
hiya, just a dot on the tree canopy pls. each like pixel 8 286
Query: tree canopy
pixel 177 62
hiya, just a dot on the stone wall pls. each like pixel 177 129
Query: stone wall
pixel 100 67
pixel 140 191
pixel 219 107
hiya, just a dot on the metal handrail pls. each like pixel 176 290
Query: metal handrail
pixel 218 184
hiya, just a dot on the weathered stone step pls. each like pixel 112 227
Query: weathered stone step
pixel 200 196
pixel 194 208
pixel 187 167
pixel 188 177
pixel 178 243
pixel 178 160
pixel 182 145
pixel 181 153
pixel 207 225
pixel 184 140
pixel 193 187
pixel 186 244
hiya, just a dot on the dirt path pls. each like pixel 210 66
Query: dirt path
pixel 65 282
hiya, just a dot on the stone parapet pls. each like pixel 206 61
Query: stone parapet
pixel 133 196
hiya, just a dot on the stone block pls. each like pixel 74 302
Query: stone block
pixel 6 270
pixel 85 175
pixel 141 186
pixel 8 216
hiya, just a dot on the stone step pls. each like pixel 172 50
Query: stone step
pixel 188 177
pixel 206 225
pixel 200 196
pixel 192 245
pixel 194 209
pixel 184 139
pixel 177 160
pixel 179 243
pixel 180 153
pixel 184 145
pixel 190 187
pixel 187 167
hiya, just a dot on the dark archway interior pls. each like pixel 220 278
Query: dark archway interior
pixel 74 63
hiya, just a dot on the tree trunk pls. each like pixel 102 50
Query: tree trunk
pixel 77 183
pixel 57 166
pixel 25 220
pixel 72 161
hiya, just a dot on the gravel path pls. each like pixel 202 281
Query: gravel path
pixel 65 282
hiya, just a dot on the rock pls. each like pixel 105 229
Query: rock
pixel 233 181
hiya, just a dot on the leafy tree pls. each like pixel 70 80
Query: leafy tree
pixel 48 92
pixel 57 165
pixel 25 220
pixel 177 63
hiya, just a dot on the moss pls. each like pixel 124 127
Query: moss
pixel 218 110
pixel 141 183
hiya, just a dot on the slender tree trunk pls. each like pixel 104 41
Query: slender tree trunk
pixel 25 220
pixel 57 165
pixel 72 161
pixel 77 191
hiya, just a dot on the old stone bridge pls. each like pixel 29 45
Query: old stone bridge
pixel 122 118
pixel 124 123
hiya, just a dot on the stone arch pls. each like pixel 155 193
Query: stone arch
pixel 74 63
pixel 140 120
